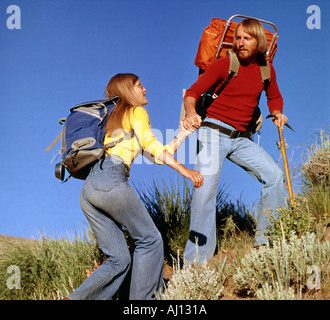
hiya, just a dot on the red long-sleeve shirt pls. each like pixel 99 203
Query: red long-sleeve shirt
pixel 237 102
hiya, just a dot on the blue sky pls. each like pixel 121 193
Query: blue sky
pixel 65 53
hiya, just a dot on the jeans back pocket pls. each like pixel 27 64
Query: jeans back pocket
pixel 106 177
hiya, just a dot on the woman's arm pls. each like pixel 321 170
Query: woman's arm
pixel 181 136
pixel 196 178
pixel 154 148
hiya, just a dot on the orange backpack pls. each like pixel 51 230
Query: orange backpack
pixel 217 38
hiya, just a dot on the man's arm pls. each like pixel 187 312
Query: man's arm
pixel 275 101
pixel 192 119
pixel 212 75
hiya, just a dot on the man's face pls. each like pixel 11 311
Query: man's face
pixel 246 46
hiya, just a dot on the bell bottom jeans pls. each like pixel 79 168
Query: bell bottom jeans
pixel 213 148
pixel 108 202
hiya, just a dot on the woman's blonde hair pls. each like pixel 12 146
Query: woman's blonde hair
pixel 120 85
pixel 254 28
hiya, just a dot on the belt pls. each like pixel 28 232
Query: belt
pixel 233 134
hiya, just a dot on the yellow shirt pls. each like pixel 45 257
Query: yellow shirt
pixel 138 138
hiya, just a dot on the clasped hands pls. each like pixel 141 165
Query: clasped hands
pixel 191 122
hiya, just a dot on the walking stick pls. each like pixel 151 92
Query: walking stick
pixel 285 161
pixel 286 166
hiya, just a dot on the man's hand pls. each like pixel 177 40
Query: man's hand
pixel 280 120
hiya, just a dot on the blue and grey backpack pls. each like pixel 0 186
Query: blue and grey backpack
pixel 83 138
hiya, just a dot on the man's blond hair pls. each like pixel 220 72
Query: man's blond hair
pixel 255 29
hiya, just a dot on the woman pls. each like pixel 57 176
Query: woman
pixel 108 201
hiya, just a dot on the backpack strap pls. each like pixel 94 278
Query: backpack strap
pixel 224 84
pixel 233 62
pixel 61 121
pixel 233 72
pixel 265 72
pixel 265 75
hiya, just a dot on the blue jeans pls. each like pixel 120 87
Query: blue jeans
pixel 108 202
pixel 213 148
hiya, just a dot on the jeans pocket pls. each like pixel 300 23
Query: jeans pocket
pixel 106 179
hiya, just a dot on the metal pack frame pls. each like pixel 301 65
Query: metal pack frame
pixel 228 23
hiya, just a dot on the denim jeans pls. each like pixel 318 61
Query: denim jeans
pixel 213 148
pixel 108 202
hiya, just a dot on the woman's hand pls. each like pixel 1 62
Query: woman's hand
pixel 196 178
pixel 184 133
pixel 192 122
pixel 183 130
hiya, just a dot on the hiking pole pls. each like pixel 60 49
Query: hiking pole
pixel 286 166
pixel 285 160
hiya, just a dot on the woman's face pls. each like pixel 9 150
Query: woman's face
pixel 140 93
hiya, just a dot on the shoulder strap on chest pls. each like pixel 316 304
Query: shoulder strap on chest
pixel 265 72
pixel 265 75
pixel 233 63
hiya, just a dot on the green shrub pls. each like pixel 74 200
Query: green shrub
pixel 312 208
pixel 297 220
pixel 315 179
pixel 316 169
pixel 170 210
pixel 235 226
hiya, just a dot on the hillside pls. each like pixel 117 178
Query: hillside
pixel 5 240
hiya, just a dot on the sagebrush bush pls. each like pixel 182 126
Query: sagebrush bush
pixel 283 265
pixel 197 281
pixel 276 292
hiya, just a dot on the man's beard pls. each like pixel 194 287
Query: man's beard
pixel 246 56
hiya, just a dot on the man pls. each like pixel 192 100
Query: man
pixel 231 111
